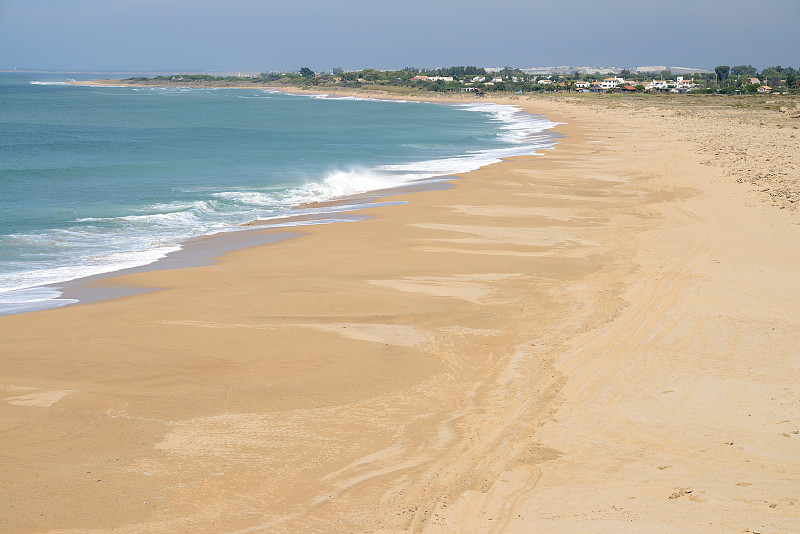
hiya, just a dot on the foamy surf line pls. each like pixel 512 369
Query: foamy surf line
pixel 36 82
pixel 152 237
pixel 57 287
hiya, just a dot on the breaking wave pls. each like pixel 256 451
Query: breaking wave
pixel 96 245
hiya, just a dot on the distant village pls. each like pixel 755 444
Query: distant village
pixel 741 79
pixel 616 83
pixel 724 79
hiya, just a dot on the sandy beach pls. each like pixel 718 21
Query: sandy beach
pixel 600 338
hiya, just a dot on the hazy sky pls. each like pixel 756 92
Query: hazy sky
pixel 261 35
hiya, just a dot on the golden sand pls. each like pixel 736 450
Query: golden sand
pixel 602 338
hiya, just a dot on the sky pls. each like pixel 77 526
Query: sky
pixel 266 35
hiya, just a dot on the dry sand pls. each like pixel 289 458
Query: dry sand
pixel 603 338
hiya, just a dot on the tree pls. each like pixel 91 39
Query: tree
pixel 371 75
pixel 305 72
pixel 771 76
pixel 722 73
pixel 744 70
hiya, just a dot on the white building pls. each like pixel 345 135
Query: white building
pixel 611 83
pixel 684 85
pixel 657 84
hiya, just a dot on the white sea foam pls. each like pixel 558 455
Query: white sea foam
pixel 36 82
pixel 31 299
pixel 13 283
pixel 341 183
pixel 517 127
pixel 523 131
pixel 141 238
pixel 314 222
pixel 325 96
pixel 251 198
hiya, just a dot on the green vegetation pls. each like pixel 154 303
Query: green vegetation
pixel 740 79
pixel 744 70
pixel 722 73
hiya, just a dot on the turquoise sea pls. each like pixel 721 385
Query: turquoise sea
pixel 98 179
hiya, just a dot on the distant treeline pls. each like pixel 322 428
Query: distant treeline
pixel 724 79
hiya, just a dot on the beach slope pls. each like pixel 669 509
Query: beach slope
pixel 600 338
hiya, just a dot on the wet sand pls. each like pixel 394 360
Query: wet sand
pixel 601 338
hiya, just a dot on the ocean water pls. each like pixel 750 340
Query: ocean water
pixel 98 179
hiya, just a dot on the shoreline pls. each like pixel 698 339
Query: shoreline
pixel 205 250
pixel 96 287
pixel 738 110
pixel 601 338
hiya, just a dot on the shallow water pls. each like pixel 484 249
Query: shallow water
pixel 98 179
